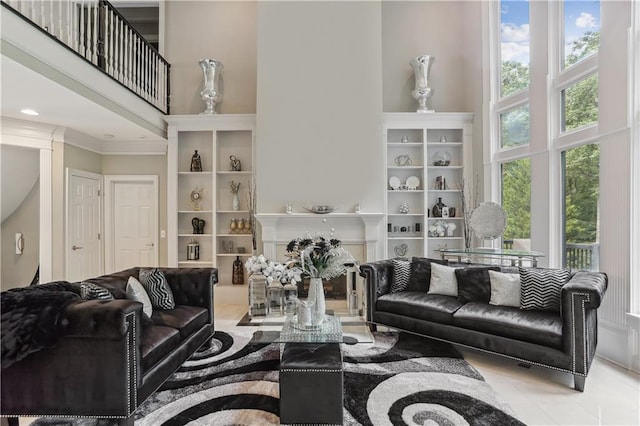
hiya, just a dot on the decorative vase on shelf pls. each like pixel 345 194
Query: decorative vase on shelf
pixel 211 93
pixel 437 208
pixel 236 203
pixel 421 66
pixel 238 271
pixel 316 295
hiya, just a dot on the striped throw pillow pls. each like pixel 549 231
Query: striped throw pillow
pixel 91 291
pixel 541 288
pixel 157 288
pixel 400 275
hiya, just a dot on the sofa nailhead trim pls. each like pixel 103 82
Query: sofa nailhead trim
pixel 310 370
pixel 584 329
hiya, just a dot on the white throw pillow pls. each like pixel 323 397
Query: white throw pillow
pixel 443 280
pixel 136 291
pixel 505 289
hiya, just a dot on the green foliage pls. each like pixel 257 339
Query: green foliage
pixel 582 190
pixel 582 47
pixel 516 198
pixel 514 77
pixel 581 103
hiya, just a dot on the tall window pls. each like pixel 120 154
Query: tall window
pixel 516 201
pixel 514 46
pixel 555 133
pixel 581 191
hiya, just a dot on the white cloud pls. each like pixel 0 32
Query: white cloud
pixel 514 33
pixel 515 52
pixel 514 42
pixel 586 20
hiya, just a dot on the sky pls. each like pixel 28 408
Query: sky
pixel 580 16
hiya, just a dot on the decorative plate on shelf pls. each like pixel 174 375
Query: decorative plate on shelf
pixel 413 182
pixel 321 209
pixel 394 182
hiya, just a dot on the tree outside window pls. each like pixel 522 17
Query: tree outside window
pixel 581 185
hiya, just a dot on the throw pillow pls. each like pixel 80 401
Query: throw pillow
pixel 420 275
pixel 541 288
pixel 474 284
pixel 400 277
pixel 505 289
pixel 158 288
pixel 136 291
pixel 90 291
pixel 443 280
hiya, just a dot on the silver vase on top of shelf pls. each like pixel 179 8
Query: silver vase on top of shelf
pixel 211 92
pixel 421 67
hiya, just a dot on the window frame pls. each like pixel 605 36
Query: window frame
pixel 545 155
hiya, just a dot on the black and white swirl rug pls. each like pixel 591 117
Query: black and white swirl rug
pixel 401 379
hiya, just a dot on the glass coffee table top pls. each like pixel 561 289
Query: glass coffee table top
pixel 338 327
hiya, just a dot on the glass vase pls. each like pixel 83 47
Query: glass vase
pixel 275 296
pixel 316 295
pixel 257 295
pixel 290 298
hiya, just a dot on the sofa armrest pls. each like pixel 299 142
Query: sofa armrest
pixel 93 369
pixel 377 279
pixel 592 285
pixel 193 286
pixel 581 297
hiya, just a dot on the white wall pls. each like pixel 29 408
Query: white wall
pixel 319 105
pixel 223 30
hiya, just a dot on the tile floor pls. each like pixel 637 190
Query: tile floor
pixel 540 396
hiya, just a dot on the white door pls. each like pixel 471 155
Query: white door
pixel 83 246
pixel 133 224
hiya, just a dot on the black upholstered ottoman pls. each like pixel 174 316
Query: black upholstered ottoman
pixel 311 384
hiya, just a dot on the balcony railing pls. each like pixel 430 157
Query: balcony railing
pixel 582 256
pixel 95 30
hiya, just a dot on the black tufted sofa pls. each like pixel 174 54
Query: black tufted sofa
pixel 110 358
pixel 564 341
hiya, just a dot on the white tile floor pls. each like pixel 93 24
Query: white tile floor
pixel 540 396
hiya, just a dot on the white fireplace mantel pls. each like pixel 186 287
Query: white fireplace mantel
pixel 350 228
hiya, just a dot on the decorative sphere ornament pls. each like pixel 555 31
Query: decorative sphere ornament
pixel 441 158
pixel 404 208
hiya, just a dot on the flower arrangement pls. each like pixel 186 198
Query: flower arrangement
pixel 273 271
pixel 319 257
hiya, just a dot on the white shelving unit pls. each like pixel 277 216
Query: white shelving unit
pixel 419 137
pixel 216 137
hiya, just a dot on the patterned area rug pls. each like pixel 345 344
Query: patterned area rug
pixel 401 379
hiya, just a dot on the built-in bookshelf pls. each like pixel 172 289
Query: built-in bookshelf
pixel 426 157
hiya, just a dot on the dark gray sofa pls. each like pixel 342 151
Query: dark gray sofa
pixel 109 358
pixel 564 341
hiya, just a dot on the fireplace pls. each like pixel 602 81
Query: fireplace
pixel 360 234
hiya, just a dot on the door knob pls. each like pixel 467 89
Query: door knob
pixel 150 245
pixel 74 248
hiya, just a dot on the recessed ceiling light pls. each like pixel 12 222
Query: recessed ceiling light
pixel 108 136
pixel 29 111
